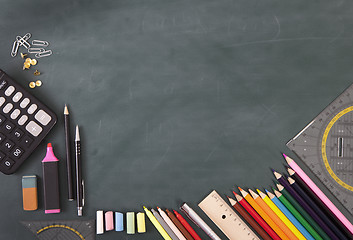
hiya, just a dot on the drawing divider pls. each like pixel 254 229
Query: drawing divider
pixel 319 212
pixel 290 216
pixel 307 208
pixel 249 219
pixel 263 214
pixel 318 201
pixel 256 216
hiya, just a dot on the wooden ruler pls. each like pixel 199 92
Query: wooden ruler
pixel 225 218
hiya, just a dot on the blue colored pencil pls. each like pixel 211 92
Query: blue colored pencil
pixel 289 215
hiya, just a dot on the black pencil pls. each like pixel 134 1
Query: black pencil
pixel 322 206
pixel 316 208
pixel 68 154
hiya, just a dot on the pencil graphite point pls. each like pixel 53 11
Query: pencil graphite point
pixel 235 194
pixel 284 155
pixel 273 170
pixel 66 110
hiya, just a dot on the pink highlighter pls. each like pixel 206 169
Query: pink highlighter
pixel 51 181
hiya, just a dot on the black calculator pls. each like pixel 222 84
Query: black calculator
pixel 24 122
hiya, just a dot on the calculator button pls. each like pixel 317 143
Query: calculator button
pixel 17 152
pixel 2 100
pixel 27 141
pixel 18 134
pixel 9 127
pixel 2 155
pixel 33 128
pixel 22 120
pixel 15 114
pixel 8 163
pixel 8 144
pixel 2 119
pixel 9 90
pixel 24 102
pixel 2 137
pixel 3 84
pixel 7 108
pixel 32 108
pixel 17 97
pixel 43 117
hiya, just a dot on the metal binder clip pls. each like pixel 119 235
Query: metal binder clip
pixel 22 42
pixel 44 54
pixel 14 49
pixel 35 50
pixel 40 43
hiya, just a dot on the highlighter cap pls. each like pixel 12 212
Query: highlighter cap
pixel 50 157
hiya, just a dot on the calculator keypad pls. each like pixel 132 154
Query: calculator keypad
pixel 24 122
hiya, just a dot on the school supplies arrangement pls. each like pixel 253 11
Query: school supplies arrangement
pixel 24 122
pixel 51 181
pixel 38 48
pixel 225 218
pixel 62 229
pixel 324 146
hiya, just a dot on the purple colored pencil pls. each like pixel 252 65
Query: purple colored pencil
pixel 313 205
pixel 307 208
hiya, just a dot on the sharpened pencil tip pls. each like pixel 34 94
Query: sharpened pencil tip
pixel 284 155
pixel 240 189
pixel 66 110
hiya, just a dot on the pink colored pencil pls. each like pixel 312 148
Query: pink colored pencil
pixel 319 193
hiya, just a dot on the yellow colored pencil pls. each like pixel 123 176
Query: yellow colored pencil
pixel 273 215
pixel 262 213
pixel 157 224
pixel 279 213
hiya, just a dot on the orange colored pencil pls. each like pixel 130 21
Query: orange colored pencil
pixel 273 215
pixel 263 214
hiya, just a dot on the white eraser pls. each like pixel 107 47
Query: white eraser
pixel 100 227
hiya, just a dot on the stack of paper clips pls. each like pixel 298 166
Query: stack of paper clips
pixel 38 49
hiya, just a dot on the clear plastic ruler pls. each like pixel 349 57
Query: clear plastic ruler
pixel 326 146
pixel 225 218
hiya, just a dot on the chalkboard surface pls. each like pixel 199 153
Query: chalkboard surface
pixel 174 98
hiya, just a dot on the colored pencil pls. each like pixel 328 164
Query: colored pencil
pixel 187 226
pixel 249 219
pixel 263 214
pixel 299 216
pixel 319 193
pixel 256 216
pixel 164 225
pixel 292 220
pixel 171 225
pixel 307 208
pixel 318 201
pixel 319 212
pixel 281 215
pixel 178 224
pixel 272 215
pixel 156 224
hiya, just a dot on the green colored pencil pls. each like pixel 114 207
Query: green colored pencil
pixel 297 215
pixel 299 208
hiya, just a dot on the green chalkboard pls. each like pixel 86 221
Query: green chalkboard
pixel 174 98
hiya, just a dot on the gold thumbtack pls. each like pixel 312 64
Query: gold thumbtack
pixel 36 73
pixel 28 60
pixel 23 55
pixel 38 83
pixel 26 65
pixel 32 84
pixel 33 62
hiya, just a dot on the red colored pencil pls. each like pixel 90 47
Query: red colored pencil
pixel 256 216
pixel 187 226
